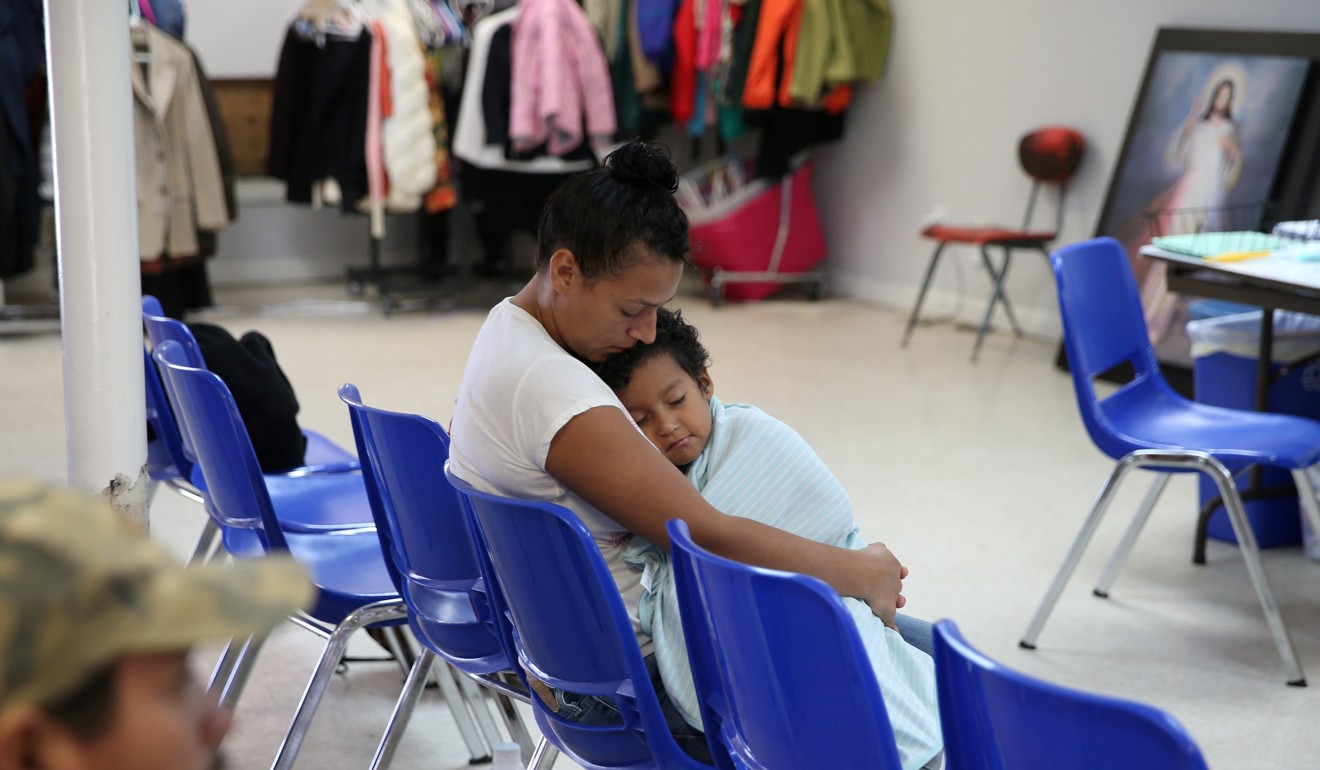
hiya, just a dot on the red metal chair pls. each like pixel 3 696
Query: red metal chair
pixel 1050 156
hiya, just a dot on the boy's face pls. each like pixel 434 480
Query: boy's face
pixel 670 407
pixel 161 719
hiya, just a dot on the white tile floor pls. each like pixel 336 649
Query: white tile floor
pixel 977 475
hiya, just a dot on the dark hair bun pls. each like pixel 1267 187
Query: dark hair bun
pixel 644 162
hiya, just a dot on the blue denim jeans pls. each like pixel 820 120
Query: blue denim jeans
pixel 916 632
pixel 594 710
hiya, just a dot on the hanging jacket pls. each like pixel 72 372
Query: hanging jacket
pixel 471 142
pixel 560 79
pixel 22 59
pixel 318 121
pixel 840 41
pixel 409 143
pixel 776 33
pixel 179 187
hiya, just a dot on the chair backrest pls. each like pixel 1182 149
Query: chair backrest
pixel 555 601
pixel 161 329
pixel 997 719
pixel 165 456
pixel 708 678
pixel 1050 156
pixel 799 688
pixel 1104 327
pixel 425 534
pixel 236 491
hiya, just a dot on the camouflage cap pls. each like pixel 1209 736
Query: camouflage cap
pixel 80 586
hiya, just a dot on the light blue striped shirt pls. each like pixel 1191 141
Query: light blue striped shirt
pixel 757 467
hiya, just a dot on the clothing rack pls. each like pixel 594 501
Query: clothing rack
pixel 398 287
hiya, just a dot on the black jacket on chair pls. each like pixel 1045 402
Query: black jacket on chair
pixel 264 396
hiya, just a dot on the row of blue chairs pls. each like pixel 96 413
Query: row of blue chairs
pixel 779 667
pixel 324 514
pixel 516 595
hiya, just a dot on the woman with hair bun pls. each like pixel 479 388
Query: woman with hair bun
pixel 534 422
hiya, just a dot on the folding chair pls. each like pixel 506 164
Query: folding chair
pixel 1050 156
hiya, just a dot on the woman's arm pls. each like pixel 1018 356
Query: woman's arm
pixel 602 457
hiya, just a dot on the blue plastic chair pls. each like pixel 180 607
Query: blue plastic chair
pixel 555 603
pixel 354 586
pixel 781 673
pixel 327 493
pixel 997 719
pixel 166 463
pixel 427 544
pixel 1145 424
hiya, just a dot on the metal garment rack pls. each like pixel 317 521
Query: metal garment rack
pixel 399 287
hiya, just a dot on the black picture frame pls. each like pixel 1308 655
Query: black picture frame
pixel 1293 182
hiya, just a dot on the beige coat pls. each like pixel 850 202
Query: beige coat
pixel 179 188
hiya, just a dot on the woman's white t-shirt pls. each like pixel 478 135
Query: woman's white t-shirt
pixel 519 389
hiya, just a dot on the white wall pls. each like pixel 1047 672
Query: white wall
pixel 239 38
pixel 966 78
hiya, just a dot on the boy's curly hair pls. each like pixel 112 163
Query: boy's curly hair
pixel 673 335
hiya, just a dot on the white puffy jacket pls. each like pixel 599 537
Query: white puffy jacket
pixel 407 134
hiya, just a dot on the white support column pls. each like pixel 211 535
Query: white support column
pixel 96 221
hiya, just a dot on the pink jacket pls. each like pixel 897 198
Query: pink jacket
pixel 559 78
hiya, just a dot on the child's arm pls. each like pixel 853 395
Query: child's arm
pixel 602 457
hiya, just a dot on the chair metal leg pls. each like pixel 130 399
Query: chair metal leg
pixel 921 294
pixel 1003 296
pixel 245 660
pixel 207 541
pixel 476 701
pixel 997 297
pixel 513 722
pixel 1207 464
pixel 544 757
pixel 187 490
pixel 391 609
pixel 1246 537
pixel 1074 555
pixel 403 647
pixel 1130 536
pixel 224 666
pixel 403 709
pixel 1306 497
pixel 458 709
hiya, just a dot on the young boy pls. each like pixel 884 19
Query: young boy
pixel 96 621
pixel 747 463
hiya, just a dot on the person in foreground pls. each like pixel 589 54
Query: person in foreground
pixel 96 621
pixel 747 463
pixel 532 421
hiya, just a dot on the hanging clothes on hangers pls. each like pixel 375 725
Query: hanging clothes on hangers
pixel 471 138
pixel 180 189
pixel 505 194
pixel 318 119
pixel 406 130
pixel 22 64
pixel 560 87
